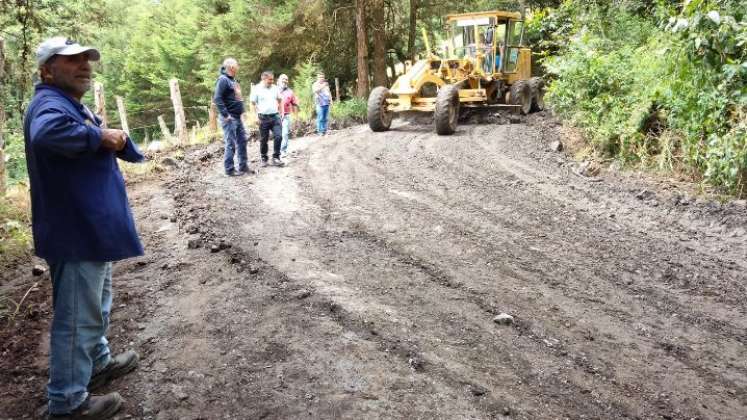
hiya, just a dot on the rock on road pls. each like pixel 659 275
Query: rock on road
pixel 362 281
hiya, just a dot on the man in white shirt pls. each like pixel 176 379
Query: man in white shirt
pixel 265 102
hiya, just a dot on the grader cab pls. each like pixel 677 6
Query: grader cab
pixel 483 62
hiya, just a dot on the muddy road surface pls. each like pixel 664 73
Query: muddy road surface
pixel 362 280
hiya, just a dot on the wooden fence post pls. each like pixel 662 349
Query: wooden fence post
pixel 213 118
pixel 98 96
pixel 165 133
pixel 180 121
pixel 337 89
pixel 122 114
pixel 2 121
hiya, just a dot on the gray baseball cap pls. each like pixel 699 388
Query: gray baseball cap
pixel 63 46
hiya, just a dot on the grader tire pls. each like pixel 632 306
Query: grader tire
pixel 446 114
pixel 537 85
pixel 521 94
pixel 379 117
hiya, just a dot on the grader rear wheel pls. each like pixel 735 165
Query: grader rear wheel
pixel 447 110
pixel 379 116
pixel 537 85
pixel 521 94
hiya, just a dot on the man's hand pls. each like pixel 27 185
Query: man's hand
pixel 114 140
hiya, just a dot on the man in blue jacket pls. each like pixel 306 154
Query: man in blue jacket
pixel 230 104
pixel 81 222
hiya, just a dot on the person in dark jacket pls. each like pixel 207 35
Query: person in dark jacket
pixel 230 104
pixel 81 222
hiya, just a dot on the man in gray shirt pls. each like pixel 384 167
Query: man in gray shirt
pixel 266 100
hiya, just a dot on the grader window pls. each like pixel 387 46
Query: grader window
pixel 468 37
pixel 516 33
pixel 465 41
pixel 514 41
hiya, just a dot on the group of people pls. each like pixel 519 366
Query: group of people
pixel 81 218
pixel 275 106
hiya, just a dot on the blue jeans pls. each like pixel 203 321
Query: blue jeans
pixel 322 113
pixel 234 137
pixel 286 128
pixel 82 301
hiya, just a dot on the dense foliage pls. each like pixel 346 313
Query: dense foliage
pixel 654 82
pixel 663 83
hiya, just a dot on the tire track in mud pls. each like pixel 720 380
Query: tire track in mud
pixel 402 247
pixel 582 251
pixel 223 327
pixel 490 218
pixel 451 374
pixel 338 158
pixel 350 321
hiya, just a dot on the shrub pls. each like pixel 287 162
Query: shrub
pixel 15 222
pixel 655 91
pixel 301 84
pixel 608 87
pixel 16 158
pixel 353 109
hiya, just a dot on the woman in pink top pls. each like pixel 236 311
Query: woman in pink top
pixel 288 106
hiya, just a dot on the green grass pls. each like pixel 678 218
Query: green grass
pixel 15 224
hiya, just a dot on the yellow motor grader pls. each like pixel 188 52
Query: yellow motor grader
pixel 483 63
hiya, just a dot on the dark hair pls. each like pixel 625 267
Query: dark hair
pixel 267 73
pixel 51 59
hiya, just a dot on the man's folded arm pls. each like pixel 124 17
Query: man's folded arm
pixel 218 98
pixel 55 131
pixel 130 153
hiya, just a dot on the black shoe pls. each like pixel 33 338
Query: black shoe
pixel 95 407
pixel 231 173
pixel 277 162
pixel 246 171
pixel 264 163
pixel 119 365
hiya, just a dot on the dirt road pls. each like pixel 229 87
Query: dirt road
pixel 361 282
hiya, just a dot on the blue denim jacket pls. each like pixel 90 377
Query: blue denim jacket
pixel 79 204
pixel 226 97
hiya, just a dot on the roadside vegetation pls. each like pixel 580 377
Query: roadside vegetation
pixel 658 84
pixel 15 221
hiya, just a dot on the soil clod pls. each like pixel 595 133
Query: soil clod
pixel 503 319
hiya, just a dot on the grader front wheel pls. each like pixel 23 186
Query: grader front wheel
pixel 537 86
pixel 379 116
pixel 521 94
pixel 446 114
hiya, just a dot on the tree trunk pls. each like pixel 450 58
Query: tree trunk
pixel 2 120
pixel 379 43
pixel 362 48
pixel 392 68
pixel 413 29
